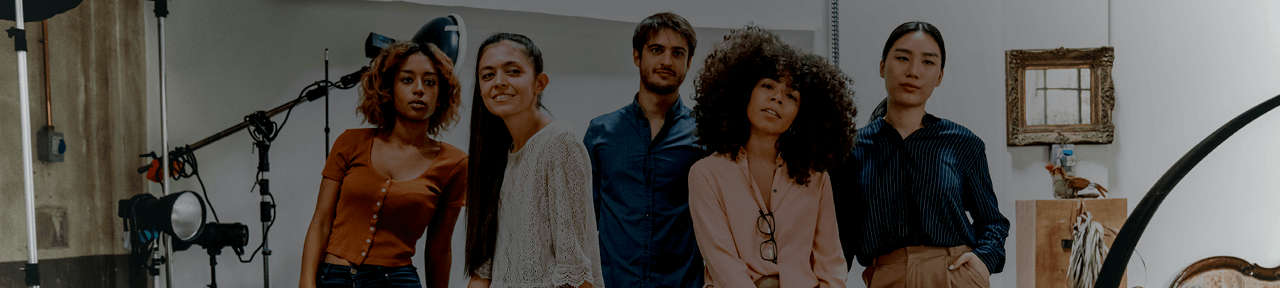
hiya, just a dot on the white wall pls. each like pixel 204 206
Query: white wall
pixel 226 59
pixel 1182 69
pixel 1190 68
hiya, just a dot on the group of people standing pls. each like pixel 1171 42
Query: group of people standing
pixel 763 183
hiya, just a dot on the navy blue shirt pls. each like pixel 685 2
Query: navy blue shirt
pixel 641 190
pixel 894 192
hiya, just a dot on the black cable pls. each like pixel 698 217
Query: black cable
pixel 322 84
pixel 269 224
pixel 207 199
pixel 187 157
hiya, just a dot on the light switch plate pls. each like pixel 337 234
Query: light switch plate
pixel 50 145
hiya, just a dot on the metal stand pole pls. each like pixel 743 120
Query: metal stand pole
pixel 326 105
pixel 266 251
pixel 213 262
pixel 263 133
pixel 162 11
pixel 28 180
pixel 265 209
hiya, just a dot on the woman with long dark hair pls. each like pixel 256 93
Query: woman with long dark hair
pixel 917 205
pixel 384 186
pixel 531 218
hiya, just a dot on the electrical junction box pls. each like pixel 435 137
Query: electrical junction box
pixel 50 145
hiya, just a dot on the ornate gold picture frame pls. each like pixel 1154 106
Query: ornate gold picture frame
pixel 1057 75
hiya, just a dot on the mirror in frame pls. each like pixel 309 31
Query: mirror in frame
pixel 1059 96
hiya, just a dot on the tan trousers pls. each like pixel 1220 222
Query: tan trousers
pixel 922 267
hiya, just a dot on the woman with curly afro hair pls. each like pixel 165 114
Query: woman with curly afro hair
pixel 776 120
pixel 383 187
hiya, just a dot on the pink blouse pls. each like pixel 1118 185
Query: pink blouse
pixel 725 205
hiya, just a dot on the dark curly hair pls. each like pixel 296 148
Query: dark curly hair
pixel 376 87
pixel 823 131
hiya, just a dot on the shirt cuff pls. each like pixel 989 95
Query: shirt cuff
pixel 573 275
pixel 990 258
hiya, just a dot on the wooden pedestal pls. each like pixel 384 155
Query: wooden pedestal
pixel 1043 224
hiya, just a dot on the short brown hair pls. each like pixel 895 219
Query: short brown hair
pixel 651 25
pixel 378 106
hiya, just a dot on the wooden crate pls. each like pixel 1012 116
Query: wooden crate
pixel 1043 224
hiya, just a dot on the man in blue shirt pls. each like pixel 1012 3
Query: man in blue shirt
pixel 640 159
pixel 903 195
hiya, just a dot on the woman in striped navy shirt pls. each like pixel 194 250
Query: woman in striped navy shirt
pixel 912 176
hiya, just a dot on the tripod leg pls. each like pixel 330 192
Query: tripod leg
pixel 213 261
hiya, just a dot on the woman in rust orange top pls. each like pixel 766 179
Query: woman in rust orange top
pixel 384 186
pixel 777 119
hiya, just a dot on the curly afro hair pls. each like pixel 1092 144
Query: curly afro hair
pixel 378 105
pixel 823 131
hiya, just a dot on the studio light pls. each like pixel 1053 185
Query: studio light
pixel 218 235
pixel 447 33
pixel 181 215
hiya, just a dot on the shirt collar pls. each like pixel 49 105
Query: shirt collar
pixel 878 125
pixel 742 159
pixel 672 112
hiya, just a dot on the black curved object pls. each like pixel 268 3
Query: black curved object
pixel 444 32
pixel 37 10
pixel 1122 249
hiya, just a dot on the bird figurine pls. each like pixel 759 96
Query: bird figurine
pixel 1071 187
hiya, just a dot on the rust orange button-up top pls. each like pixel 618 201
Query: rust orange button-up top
pixel 379 220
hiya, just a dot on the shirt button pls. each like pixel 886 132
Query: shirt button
pixel 368 240
pixel 388 181
pixel 775 190
pixel 362 253
pixel 370 228
pixel 384 189
pixel 379 203
pixel 375 216
pixel 646 215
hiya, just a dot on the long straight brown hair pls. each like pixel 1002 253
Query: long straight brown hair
pixel 490 141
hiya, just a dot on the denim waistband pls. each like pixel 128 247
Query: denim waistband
pixel 365 268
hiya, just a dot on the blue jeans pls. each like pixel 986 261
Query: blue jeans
pixel 367 276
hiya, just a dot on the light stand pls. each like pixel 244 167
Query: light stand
pixel 263 132
pixel 28 182
pixel 162 11
pixel 446 32
pixel 213 272
pixel 215 237
pixel 148 219
pixel 326 104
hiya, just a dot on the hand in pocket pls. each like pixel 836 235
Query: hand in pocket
pixel 968 258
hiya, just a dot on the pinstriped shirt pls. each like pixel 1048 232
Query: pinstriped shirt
pixel 894 192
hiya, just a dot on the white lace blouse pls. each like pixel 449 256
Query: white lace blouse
pixel 546 218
